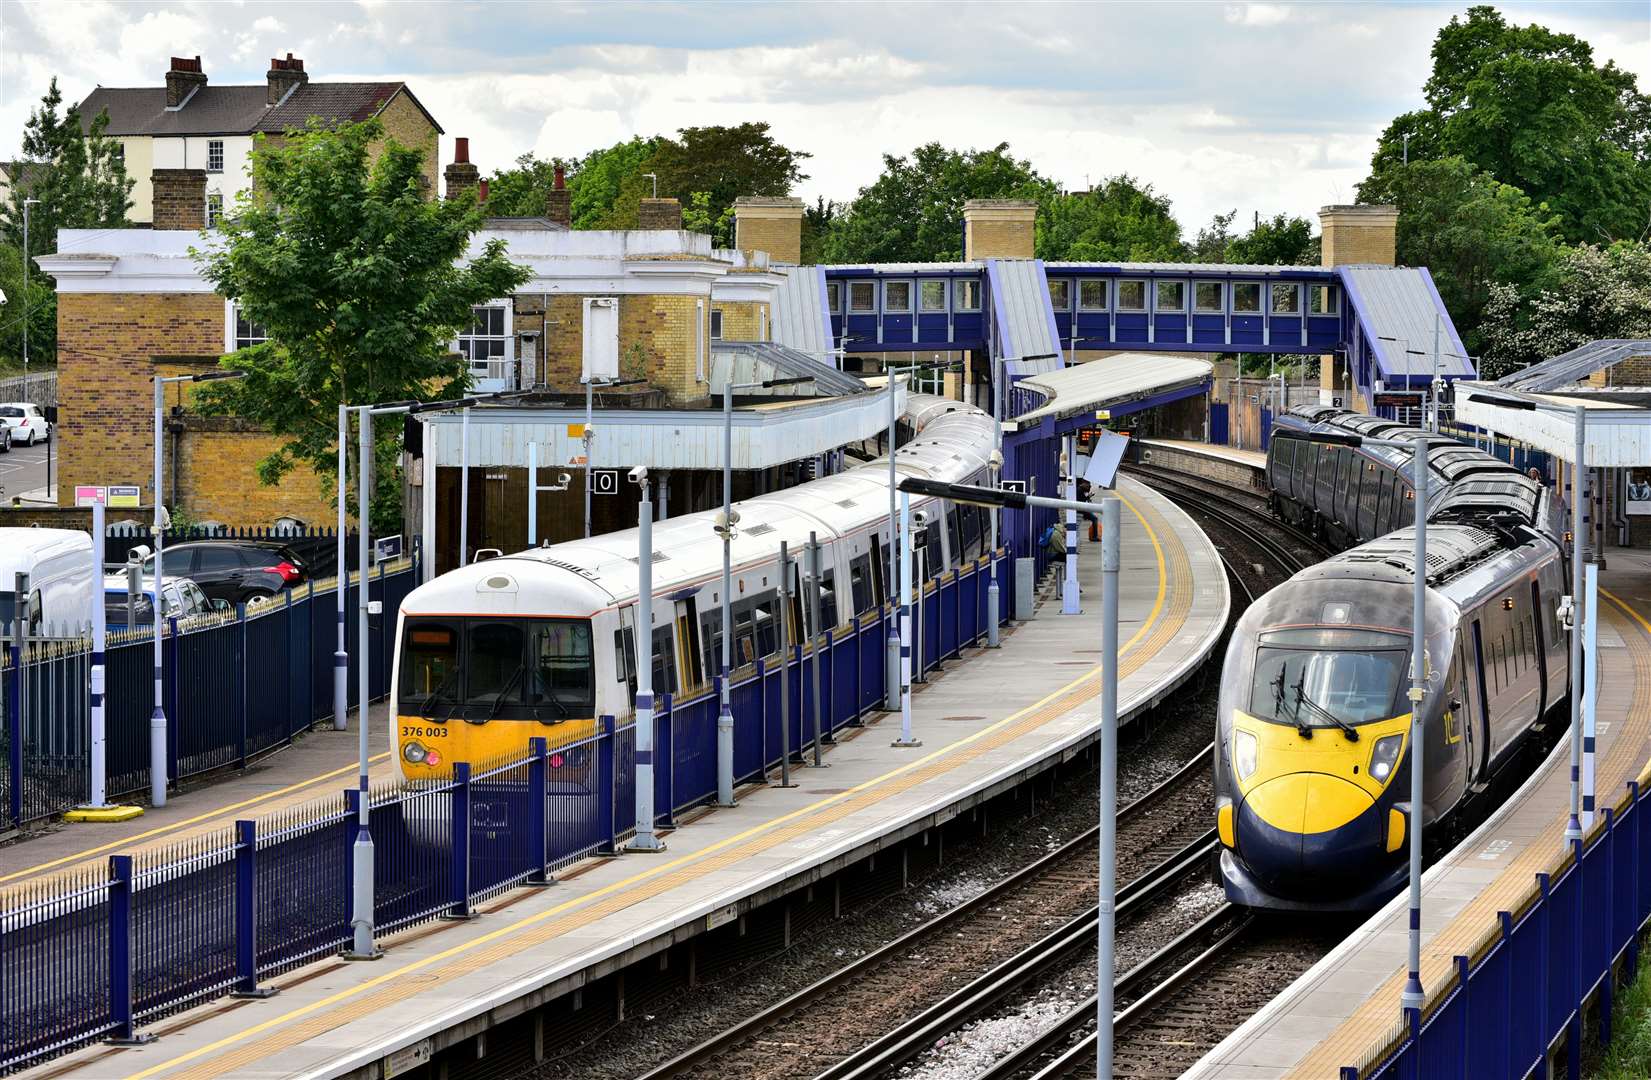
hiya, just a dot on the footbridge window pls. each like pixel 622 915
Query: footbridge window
pixel 1286 299
pixel 897 296
pixel 1132 295
pixel 1060 294
pixel 1092 294
pixel 1322 300
pixel 932 295
pixel 1207 298
pixel 965 295
pixel 1172 295
pixel 862 296
pixel 1247 297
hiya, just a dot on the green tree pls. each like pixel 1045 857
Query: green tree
pixel 1471 232
pixel 818 222
pixel 1211 243
pixel 1530 107
pixel 79 178
pixel 913 211
pixel 725 163
pixel 1281 240
pixel 359 280
pixel 698 216
pixel 1120 220
pixel 1594 292
pixel 607 184
pixel 520 192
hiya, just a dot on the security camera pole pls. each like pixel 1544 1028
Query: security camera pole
pixel 1107 871
pixel 645 839
pixel 725 526
pixel 157 717
pixel 903 543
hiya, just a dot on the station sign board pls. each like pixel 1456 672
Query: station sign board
pixel 125 496
pixel 90 495
pixel 604 482
pixel 1013 485
pixel 1397 399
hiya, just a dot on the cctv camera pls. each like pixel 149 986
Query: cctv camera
pixel 639 474
pixel 920 518
pixel 564 479
pixel 995 459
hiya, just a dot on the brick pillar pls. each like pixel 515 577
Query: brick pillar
pixel 1353 234
pixel 180 198
pixel 774 225
pixel 559 201
pixel 659 214
pixel 999 228
pixel 461 175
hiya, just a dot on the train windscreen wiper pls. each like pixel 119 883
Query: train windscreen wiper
pixel 1302 699
pixel 1303 729
pixel 510 683
pixel 430 702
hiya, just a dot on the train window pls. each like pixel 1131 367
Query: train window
pixel 828 600
pixel 1306 686
pixel 429 661
pixel 494 661
pixel 745 634
pixel 969 526
pixel 933 556
pixel 664 660
pixel 710 638
pixel 764 625
pixel 954 538
pixel 859 579
pixel 878 562
pixel 624 654
pixel 563 667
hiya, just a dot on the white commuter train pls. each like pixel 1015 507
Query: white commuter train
pixel 542 642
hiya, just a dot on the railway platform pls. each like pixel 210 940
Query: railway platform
pixel 1343 1010
pixel 1228 465
pixel 986 724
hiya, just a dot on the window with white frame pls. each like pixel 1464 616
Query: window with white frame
pixel 834 297
pixel 214 155
pixel 716 325
pixel 1172 295
pixel 929 378
pixel 1286 299
pixel 862 296
pixel 1246 297
pixel 1322 300
pixel 486 343
pixel 1206 297
pixel 966 294
pixel 1092 294
pixel 1132 295
pixel 214 208
pixel 896 296
pixel 1060 294
pixel 245 332
pixel 932 295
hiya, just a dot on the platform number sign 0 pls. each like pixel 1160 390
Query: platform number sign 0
pixel 604 482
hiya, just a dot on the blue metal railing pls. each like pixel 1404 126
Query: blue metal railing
pixel 234 688
pixel 1502 1009
pixel 102 951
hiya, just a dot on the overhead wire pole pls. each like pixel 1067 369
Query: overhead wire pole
pixel 341 656
pixel 645 838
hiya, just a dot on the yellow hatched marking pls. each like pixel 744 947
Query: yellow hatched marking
pixel 392 987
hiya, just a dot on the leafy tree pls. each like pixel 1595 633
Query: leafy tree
pixel 1122 220
pixel 606 185
pixel 520 192
pixel 725 162
pixel 1595 292
pixel 818 221
pixel 1212 241
pixel 79 177
pixel 697 217
pixel 1530 107
pixel 360 281
pixel 1470 232
pixel 1281 240
pixel 913 212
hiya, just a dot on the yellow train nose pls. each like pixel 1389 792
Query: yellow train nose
pixel 1307 802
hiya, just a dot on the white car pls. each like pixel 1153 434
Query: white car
pixel 26 424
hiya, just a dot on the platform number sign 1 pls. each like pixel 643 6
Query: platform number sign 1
pixel 1013 485
pixel 604 482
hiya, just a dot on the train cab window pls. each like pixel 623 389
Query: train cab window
pixel 430 659
pixel 1311 678
pixel 563 667
pixel 859 579
pixel 494 661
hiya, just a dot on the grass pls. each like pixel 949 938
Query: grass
pixel 1628 1057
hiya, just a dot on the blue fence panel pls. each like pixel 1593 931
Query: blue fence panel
pixel 205 683
pixel 624 768
pixel 1441 1052
pixel 129 675
pixel 412 855
pixel 693 755
pixel 183 927
pixel 1595 953
pixel 268 703
pixel 54 967
pixel 303 890
pixel 54 730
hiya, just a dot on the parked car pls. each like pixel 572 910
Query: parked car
pixel 237 571
pixel 27 424
pixel 59 565
pixel 183 598
pixel 5 436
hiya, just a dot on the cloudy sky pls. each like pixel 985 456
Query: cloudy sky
pixel 1254 106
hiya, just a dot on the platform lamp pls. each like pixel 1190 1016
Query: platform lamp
pixel 725 527
pixel 996 498
pixel 1417 444
pixel 157 717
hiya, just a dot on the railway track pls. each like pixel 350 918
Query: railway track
pixel 1287 548
pixel 1162 839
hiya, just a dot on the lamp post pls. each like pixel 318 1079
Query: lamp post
pixel 26 204
pixel 894 697
pixel 645 838
pixel 994 498
pixel 588 436
pixel 994 471
pixel 157 717
pixel 725 527
pixel 341 655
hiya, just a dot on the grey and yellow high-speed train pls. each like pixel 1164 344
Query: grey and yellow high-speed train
pixel 1312 774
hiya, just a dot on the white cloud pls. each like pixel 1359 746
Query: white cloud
pixel 1258 14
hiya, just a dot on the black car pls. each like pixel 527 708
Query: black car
pixel 234 570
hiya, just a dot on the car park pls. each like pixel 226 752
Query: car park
pixel 183 599
pixel 26 423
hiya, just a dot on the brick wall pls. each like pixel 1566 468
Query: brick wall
pixel 1358 234
pixel 218 478
pixel 180 198
pixel 743 320
pixel 664 214
pixel 774 225
pixel 406 124
pixel 656 341
pixel 999 228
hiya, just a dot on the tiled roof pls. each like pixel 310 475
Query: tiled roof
pixel 239 110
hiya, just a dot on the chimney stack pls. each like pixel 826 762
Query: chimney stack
pixel 481 192
pixel 183 78
pixel 283 76
pixel 663 214
pixel 180 198
pixel 559 203
pixel 770 223
pixel 461 176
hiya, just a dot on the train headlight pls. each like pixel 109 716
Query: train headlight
pixel 1385 755
pixel 1244 750
pixel 413 752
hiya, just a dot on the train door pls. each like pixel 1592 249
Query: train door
pixel 1541 651
pixel 1458 714
pixel 1480 707
pixel 687 634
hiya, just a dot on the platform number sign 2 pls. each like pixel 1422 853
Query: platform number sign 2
pixel 604 482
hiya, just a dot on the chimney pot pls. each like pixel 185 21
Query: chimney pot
pixel 461 175
pixel 561 178
pixel 461 150
pixel 283 77
pixel 481 191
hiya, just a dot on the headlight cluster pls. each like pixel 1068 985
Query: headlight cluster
pixel 419 755
pixel 1244 752
pixel 1385 755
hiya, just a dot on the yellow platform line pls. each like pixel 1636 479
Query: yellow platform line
pixel 162 830
pixel 388 989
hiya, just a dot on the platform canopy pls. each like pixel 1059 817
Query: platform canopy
pixel 1617 435
pixel 1123 383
